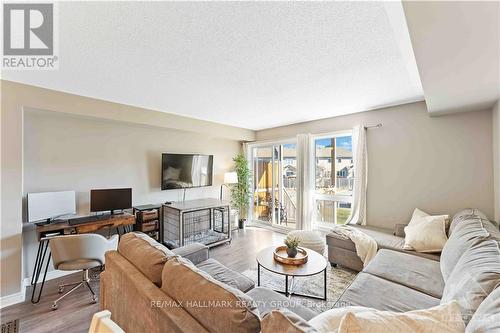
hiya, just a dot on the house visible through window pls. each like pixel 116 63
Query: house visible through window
pixel 334 178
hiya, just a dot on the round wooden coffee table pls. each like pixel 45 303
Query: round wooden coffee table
pixel 315 264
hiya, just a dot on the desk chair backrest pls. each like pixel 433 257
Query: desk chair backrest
pixel 82 246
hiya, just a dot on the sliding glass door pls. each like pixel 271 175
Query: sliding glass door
pixel 262 183
pixel 274 186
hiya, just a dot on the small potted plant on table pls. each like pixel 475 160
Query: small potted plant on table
pixel 292 243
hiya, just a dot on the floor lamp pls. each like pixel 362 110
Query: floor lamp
pixel 229 178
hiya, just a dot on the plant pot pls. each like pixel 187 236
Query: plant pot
pixel 241 223
pixel 292 252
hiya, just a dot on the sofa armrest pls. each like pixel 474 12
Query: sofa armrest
pixel 195 252
pixel 399 230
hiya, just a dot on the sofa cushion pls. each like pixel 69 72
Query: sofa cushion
pixel 417 273
pixel 145 253
pixel 194 252
pixel 487 316
pixel 464 216
pixel 284 320
pixel 372 291
pixel 217 306
pixel 444 318
pixel 268 300
pixel 384 237
pixel 223 274
pixel 467 230
pixel 475 276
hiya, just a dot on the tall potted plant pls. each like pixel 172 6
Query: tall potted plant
pixel 240 192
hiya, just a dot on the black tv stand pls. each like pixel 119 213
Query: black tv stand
pixel 118 213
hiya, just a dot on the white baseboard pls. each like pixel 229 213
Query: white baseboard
pixel 12 299
pixel 50 276
pixel 20 296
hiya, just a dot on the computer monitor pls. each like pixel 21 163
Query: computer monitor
pixel 50 205
pixel 110 199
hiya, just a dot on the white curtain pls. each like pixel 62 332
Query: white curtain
pixel 305 180
pixel 360 156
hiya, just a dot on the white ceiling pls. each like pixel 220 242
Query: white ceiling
pixel 457 49
pixel 248 64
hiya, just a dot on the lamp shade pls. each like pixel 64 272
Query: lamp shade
pixel 230 178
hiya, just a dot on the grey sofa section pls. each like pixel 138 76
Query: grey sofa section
pixel 343 251
pixel 475 276
pixel 378 293
pixel 487 316
pixel 466 215
pixel 223 274
pixel 466 229
pixel 468 272
pixel 195 252
pixel 268 300
pixel 417 273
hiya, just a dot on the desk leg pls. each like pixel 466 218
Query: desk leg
pixel 37 263
pixel 38 270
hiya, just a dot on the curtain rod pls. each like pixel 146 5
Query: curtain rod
pixel 374 126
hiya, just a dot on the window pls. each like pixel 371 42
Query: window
pixel 334 178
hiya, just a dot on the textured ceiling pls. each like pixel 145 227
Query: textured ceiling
pixel 248 64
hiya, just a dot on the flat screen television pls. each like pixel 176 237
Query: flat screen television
pixel 180 171
pixel 50 205
pixel 110 199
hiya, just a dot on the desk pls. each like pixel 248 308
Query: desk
pixel 46 231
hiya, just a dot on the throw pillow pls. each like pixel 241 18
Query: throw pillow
pixel 445 318
pixel 418 214
pixel 329 321
pixel 284 320
pixel 425 233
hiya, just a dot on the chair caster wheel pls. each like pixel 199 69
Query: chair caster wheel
pixel 54 306
pixel 60 290
pixel 94 300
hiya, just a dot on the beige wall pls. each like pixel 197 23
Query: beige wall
pixel 123 121
pixel 439 164
pixel 65 152
pixel 496 157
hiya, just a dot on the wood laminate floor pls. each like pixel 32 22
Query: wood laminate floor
pixel 75 312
